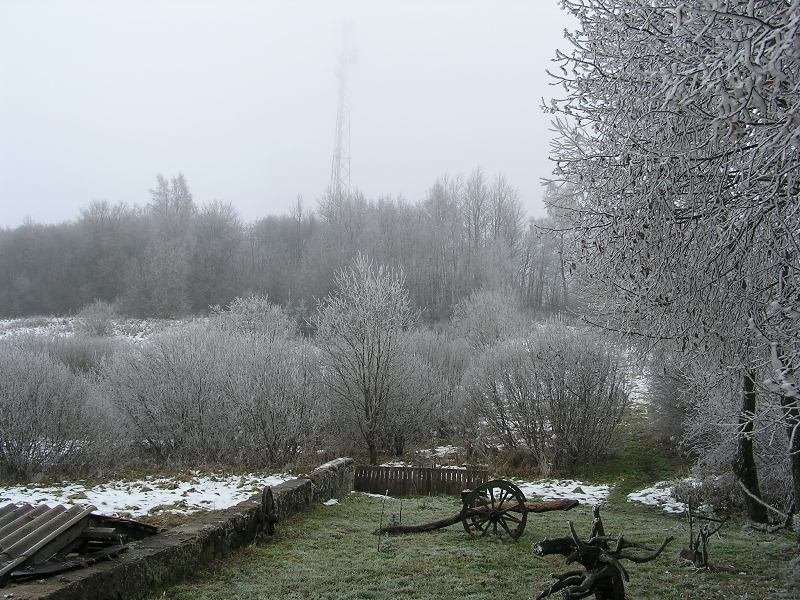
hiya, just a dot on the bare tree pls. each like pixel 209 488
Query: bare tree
pixel 359 329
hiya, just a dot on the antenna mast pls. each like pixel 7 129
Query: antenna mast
pixel 340 165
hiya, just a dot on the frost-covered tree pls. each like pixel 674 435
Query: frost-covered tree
pixel 679 144
pixel 359 329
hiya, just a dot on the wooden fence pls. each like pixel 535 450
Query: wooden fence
pixel 416 481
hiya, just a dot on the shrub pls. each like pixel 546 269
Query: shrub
pixel 556 394
pixel 488 316
pixel 96 318
pixel 276 388
pixel 711 430
pixel 79 353
pixel 51 420
pixel 255 316
pixel 203 395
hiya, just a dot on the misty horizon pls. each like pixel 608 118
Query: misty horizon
pixel 243 101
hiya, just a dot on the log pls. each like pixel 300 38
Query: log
pixel 540 507
pixel 433 525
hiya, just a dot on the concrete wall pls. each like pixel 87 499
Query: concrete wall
pixel 162 560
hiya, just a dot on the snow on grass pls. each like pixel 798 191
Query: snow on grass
pixel 151 495
pixel 130 329
pixel 440 452
pixel 662 495
pixel 59 326
pixel 569 489
pixel 371 495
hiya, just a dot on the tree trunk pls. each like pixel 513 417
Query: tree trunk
pixel 399 445
pixel 373 453
pixel 744 464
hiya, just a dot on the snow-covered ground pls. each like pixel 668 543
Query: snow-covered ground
pixel 438 456
pixel 151 495
pixel 555 489
pixel 60 326
pixel 660 494
pixel 440 452
pixel 122 328
pixel 371 495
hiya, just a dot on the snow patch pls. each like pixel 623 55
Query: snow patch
pixel 370 495
pixel 440 451
pixel 151 495
pixel 662 495
pixel 568 489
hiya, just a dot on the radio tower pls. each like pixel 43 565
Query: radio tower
pixel 340 165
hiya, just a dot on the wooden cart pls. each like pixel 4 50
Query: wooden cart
pixel 497 507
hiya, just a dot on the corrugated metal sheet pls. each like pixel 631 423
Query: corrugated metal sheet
pixel 31 534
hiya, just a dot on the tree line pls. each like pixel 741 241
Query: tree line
pixel 172 257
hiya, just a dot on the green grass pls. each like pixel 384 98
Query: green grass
pixel 637 461
pixel 332 553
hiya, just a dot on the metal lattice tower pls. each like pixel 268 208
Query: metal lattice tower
pixel 340 165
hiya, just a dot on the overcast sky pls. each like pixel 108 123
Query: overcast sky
pixel 96 98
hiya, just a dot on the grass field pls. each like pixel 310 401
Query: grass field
pixel 331 552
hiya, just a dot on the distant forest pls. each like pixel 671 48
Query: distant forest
pixel 173 257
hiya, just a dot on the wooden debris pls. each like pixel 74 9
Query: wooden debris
pixel 600 556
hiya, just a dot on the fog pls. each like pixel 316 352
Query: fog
pixel 98 97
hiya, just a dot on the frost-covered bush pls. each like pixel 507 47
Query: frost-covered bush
pixel 711 431
pixel 80 353
pixel 556 394
pixel 488 316
pixel 446 357
pixel 51 419
pixel 255 316
pixel 202 395
pixel 670 401
pixel 96 318
pixel 276 387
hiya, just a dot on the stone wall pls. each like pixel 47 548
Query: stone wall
pixel 162 560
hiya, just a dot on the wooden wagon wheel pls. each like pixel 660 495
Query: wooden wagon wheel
pixel 496 506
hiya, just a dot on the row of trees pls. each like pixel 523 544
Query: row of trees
pixel 172 257
pixel 677 189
